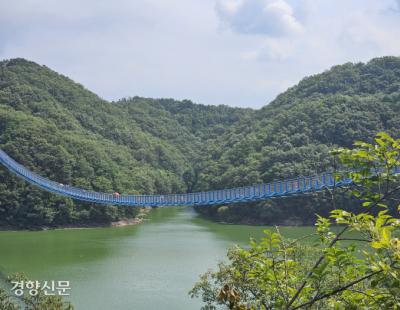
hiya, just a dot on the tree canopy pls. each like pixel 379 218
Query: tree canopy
pixel 62 131
pixel 353 261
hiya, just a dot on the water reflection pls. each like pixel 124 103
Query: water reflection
pixel 147 266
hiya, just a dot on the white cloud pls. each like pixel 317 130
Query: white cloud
pixel 278 50
pixel 267 17
pixel 333 32
pixel 178 49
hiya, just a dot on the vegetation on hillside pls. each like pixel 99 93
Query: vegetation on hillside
pixel 292 136
pixel 340 271
pixel 64 132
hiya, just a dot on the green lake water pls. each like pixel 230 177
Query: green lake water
pixel 148 266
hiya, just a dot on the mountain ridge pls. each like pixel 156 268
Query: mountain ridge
pixel 63 131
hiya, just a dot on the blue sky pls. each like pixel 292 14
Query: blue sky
pixel 234 52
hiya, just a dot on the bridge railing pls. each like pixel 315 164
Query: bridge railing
pixel 277 188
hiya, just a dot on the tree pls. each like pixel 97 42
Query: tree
pixel 354 263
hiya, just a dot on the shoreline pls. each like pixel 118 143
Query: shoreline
pixel 133 221
pixel 138 219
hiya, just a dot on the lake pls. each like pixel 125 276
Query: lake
pixel 148 266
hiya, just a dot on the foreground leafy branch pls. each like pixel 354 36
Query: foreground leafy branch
pixel 354 263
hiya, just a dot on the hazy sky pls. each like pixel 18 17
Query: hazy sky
pixel 234 52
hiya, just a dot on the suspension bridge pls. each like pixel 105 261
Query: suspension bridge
pixel 283 188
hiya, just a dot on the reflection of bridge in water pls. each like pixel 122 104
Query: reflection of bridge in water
pixel 297 186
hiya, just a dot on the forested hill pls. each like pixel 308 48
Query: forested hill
pixel 66 133
pixel 294 133
pixel 139 145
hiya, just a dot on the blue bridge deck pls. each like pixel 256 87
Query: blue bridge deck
pixel 256 192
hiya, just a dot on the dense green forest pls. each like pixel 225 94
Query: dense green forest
pixel 294 133
pixel 62 131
